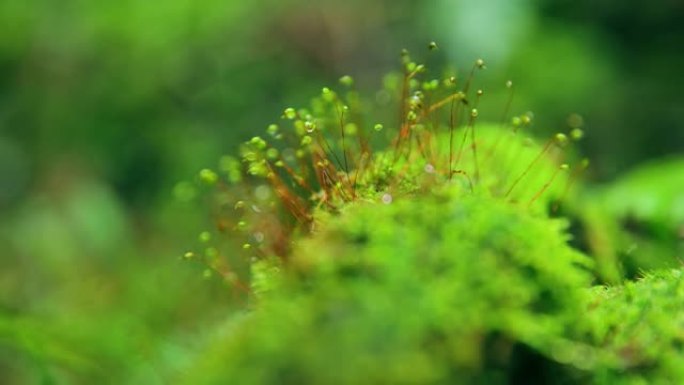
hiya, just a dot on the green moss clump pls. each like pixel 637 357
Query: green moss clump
pixel 423 252
pixel 640 329
pixel 450 287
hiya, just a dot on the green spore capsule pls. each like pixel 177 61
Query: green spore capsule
pixel 347 81
pixel 204 236
pixel 306 140
pixel 258 142
pixel 272 153
pixel 208 176
pixel 561 139
pixel 576 134
pixel 290 113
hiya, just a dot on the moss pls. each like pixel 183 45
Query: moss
pixel 424 253
pixel 640 328
pixel 449 287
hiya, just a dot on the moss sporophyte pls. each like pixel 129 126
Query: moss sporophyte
pixel 400 239
pixel 418 135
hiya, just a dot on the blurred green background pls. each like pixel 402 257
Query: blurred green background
pixel 104 106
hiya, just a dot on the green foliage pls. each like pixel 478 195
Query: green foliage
pixel 105 105
pixel 640 328
pixel 446 287
pixel 422 252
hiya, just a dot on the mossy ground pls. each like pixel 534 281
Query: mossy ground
pixel 439 288
pixel 433 259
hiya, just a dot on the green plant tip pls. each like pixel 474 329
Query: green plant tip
pixel 576 134
pixel 306 140
pixel 309 126
pixel 432 46
pixel 561 139
pixel 328 95
pixel 208 176
pixel 258 142
pixel 290 113
pixel 378 127
pixel 204 236
pixel 431 85
pixel 272 129
pixel 189 255
pixel 347 81
pixel 272 153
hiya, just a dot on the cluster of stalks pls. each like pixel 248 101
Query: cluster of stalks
pixel 329 156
